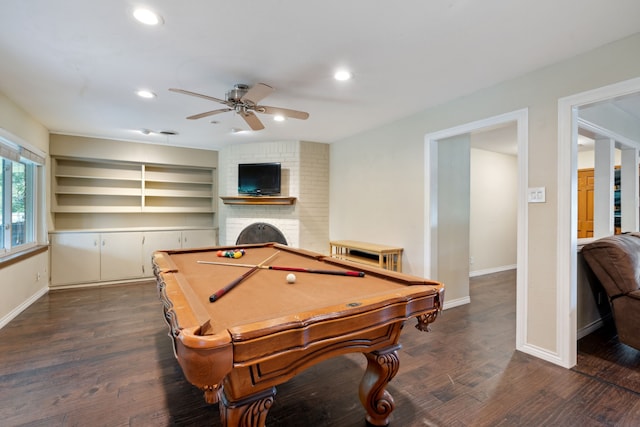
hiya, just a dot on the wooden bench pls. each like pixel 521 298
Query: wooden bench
pixel 383 256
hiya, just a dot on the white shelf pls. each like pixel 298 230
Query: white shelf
pixel 92 186
pixel 258 200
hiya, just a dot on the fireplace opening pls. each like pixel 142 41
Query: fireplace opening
pixel 260 232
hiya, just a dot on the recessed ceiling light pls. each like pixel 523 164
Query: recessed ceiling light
pixel 343 75
pixel 145 94
pixel 147 16
pixel 278 118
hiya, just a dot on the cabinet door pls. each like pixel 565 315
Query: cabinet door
pixel 75 258
pixel 121 256
pixel 199 238
pixel 157 240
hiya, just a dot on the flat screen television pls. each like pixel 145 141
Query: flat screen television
pixel 259 179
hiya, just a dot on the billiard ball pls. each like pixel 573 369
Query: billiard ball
pixel 291 278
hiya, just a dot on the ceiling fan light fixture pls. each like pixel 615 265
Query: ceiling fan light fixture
pixel 278 118
pixel 147 16
pixel 147 94
pixel 343 75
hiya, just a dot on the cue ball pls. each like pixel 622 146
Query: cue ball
pixel 291 278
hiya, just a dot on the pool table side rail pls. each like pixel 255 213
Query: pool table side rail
pixel 266 340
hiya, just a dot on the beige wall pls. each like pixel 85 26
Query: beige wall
pixel 381 197
pixel 493 222
pixel 453 168
pixel 18 122
pixel 25 281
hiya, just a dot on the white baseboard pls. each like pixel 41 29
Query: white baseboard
pixel 455 302
pixel 98 284
pixel 543 354
pixel 25 304
pixel 492 270
pixel 592 327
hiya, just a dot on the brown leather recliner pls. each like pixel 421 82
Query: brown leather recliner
pixel 615 261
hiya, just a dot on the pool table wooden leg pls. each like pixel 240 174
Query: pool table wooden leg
pixel 382 366
pixel 250 411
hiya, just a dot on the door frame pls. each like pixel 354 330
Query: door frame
pixel 567 221
pixel 521 117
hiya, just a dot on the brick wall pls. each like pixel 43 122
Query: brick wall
pixel 305 175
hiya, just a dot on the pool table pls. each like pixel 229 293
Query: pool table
pixel 261 331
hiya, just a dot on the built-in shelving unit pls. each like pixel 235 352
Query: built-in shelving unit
pixel 92 186
pixel 114 203
pixel 258 200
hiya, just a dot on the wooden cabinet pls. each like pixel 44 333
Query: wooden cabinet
pixel 92 186
pixel 92 257
pixel 383 256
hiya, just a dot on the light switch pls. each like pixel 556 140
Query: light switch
pixel 536 195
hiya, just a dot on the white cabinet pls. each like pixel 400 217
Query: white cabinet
pixel 199 238
pixel 93 257
pixel 120 256
pixel 175 239
pixel 88 257
pixel 75 258
pixel 158 240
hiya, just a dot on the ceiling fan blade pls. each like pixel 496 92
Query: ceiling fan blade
pixel 294 114
pixel 252 120
pixel 256 93
pixel 210 98
pixel 209 113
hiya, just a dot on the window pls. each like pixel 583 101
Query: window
pixel 18 187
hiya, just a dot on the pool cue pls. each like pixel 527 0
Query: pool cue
pixel 220 293
pixel 226 263
pixel 296 269
pixel 310 270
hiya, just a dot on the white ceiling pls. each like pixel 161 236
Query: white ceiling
pixel 75 64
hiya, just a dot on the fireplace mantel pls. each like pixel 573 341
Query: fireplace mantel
pixel 258 200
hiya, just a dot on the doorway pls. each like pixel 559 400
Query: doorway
pixel 431 209
pixel 567 210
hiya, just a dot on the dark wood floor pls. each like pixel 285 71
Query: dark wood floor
pixel 101 357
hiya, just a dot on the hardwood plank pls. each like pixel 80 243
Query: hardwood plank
pixel 101 356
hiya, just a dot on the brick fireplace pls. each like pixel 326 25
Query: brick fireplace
pixel 305 176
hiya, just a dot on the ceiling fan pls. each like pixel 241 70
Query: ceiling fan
pixel 244 100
